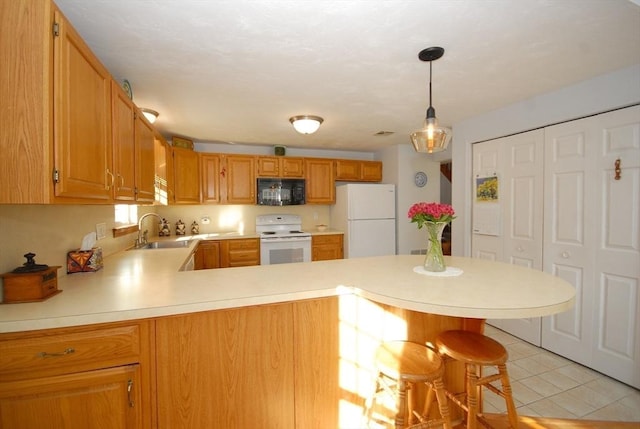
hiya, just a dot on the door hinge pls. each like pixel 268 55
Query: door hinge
pixel 56 176
pixel 56 29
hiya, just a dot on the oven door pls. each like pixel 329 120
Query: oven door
pixel 284 250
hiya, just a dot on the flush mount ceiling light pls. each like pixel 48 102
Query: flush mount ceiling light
pixel 151 115
pixel 306 124
pixel 432 137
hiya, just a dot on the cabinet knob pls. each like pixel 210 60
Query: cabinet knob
pixel 566 255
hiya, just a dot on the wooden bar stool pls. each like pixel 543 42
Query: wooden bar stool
pixel 476 351
pixel 401 365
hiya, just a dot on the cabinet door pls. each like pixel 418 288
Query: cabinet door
pixel 292 167
pixel 26 94
pixel 123 133
pixel 145 160
pixel 186 176
pixel 161 176
pixel 268 166
pixel 207 255
pixel 210 164
pixel 320 181
pixel 371 171
pixel 347 169
pixel 110 398
pixel 239 175
pixel 82 118
pixel 226 369
pixel 326 247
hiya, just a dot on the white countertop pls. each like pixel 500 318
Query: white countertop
pixel 147 283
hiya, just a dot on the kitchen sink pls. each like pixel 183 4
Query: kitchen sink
pixel 164 245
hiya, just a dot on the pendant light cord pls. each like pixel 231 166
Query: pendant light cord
pixel 430 71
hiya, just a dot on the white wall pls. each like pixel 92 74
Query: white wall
pixel 401 163
pixel 610 91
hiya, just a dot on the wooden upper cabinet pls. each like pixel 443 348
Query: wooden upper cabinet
pixel 144 159
pixel 292 167
pixel 320 184
pixel 26 106
pixel 186 176
pixel 210 177
pixel 371 171
pixel 279 166
pixel 162 155
pixel 82 118
pixel 239 178
pixel 358 170
pixel 123 133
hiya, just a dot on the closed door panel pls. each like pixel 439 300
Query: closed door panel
pixel 617 253
pixel 594 240
pixel 569 236
pixel 517 162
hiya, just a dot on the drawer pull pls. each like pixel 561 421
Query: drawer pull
pixel 129 389
pixel 45 355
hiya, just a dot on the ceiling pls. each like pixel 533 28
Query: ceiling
pixel 235 70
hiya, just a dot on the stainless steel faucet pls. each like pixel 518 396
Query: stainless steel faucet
pixel 142 236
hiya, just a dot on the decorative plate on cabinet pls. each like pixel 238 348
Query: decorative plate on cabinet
pixel 420 179
pixel 127 88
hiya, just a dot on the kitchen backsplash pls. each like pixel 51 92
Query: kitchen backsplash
pixel 50 231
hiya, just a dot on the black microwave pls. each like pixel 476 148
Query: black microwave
pixel 280 192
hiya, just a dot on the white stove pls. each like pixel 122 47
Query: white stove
pixel 282 239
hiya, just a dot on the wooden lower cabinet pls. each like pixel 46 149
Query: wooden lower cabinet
pixel 81 377
pixel 304 364
pixel 111 397
pixel 326 247
pixel 241 252
pixel 226 369
pixel 207 255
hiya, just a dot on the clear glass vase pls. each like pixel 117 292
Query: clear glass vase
pixel 434 261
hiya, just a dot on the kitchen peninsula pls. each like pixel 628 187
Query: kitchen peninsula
pixel 287 344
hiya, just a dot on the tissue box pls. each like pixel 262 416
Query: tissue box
pixel 79 261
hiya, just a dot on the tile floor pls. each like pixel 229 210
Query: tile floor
pixel 547 385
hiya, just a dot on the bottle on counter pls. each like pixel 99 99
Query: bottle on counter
pixel 180 227
pixel 164 229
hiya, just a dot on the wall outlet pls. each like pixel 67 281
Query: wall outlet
pixel 101 230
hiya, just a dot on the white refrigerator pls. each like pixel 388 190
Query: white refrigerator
pixel 366 212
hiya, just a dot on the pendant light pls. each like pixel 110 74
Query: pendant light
pixel 432 137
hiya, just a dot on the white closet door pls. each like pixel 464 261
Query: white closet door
pixel 569 235
pixel 517 161
pixel 592 239
pixel 617 253
pixel 521 187
pixel 523 171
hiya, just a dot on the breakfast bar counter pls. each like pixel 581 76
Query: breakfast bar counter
pixel 139 284
pixel 289 344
